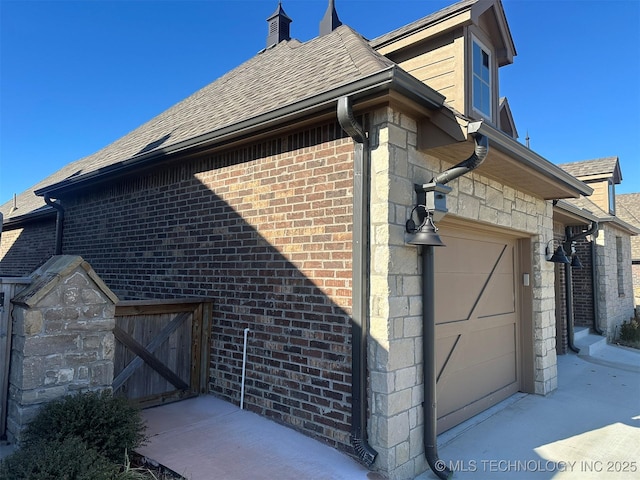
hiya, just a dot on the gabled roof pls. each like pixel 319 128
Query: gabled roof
pixel 593 170
pixel 459 14
pixel 290 74
pixel 628 209
pixel 586 205
pixel 505 118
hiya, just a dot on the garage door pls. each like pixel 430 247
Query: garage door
pixel 476 324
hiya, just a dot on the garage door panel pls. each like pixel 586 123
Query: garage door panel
pixel 476 324
pixel 466 290
pixel 460 255
pixel 476 347
pixel 480 380
pixel 498 298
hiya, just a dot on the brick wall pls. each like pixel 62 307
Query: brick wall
pixel 265 231
pixel 23 249
pixel 560 285
pixel 583 286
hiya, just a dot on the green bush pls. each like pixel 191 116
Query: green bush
pixel 108 424
pixel 66 459
pixel 630 333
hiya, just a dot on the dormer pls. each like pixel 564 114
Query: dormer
pixel 457 51
pixel 601 174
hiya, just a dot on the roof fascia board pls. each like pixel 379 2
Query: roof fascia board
pixel 391 78
pixel 574 211
pixel 621 224
pixel 532 160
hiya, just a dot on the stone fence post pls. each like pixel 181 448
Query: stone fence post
pixel 62 338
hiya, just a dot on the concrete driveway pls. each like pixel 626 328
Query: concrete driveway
pixel 589 428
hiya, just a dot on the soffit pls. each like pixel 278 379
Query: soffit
pixel 508 163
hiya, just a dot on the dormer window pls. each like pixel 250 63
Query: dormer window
pixel 481 94
pixel 612 197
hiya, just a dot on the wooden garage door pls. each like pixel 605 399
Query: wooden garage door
pixel 476 324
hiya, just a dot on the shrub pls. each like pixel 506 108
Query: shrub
pixel 65 459
pixel 108 424
pixel 630 333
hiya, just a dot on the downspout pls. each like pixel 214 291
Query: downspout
pixel 568 280
pixel 477 157
pixel 59 222
pixel 360 277
pixel 438 466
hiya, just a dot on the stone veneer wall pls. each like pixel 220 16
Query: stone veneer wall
pixel 635 269
pixel 614 307
pixel 62 339
pixel 395 348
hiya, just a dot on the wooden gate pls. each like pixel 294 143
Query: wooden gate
pixel 161 349
pixel 9 286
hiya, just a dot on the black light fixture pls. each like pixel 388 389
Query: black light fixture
pixel 559 256
pixel 575 262
pixel 424 234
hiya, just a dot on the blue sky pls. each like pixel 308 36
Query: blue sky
pixel 77 75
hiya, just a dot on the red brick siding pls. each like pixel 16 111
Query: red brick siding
pixel 264 231
pixel 562 342
pixel 583 286
pixel 24 249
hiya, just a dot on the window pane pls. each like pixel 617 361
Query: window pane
pixel 486 99
pixel 477 95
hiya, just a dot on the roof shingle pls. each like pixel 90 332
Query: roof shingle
pixel 598 166
pixel 276 77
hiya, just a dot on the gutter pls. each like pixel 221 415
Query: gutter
pixel 391 78
pixel 360 280
pixel 14 222
pixel 59 222
pixel 529 158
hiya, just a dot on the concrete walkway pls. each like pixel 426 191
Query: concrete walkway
pixel 589 428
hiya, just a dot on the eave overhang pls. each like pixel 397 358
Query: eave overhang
pixel 391 82
pixel 19 220
pixel 570 215
pixel 620 224
pixel 509 162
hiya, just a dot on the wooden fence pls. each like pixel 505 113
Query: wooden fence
pixel 161 349
pixel 9 286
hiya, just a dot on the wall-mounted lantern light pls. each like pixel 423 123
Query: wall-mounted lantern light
pixel 424 234
pixel 559 256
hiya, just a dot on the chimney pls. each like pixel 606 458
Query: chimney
pixel 330 21
pixel 278 26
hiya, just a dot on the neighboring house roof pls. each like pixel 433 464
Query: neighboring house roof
pixel 586 205
pixel 599 168
pixel 470 10
pixel 628 208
